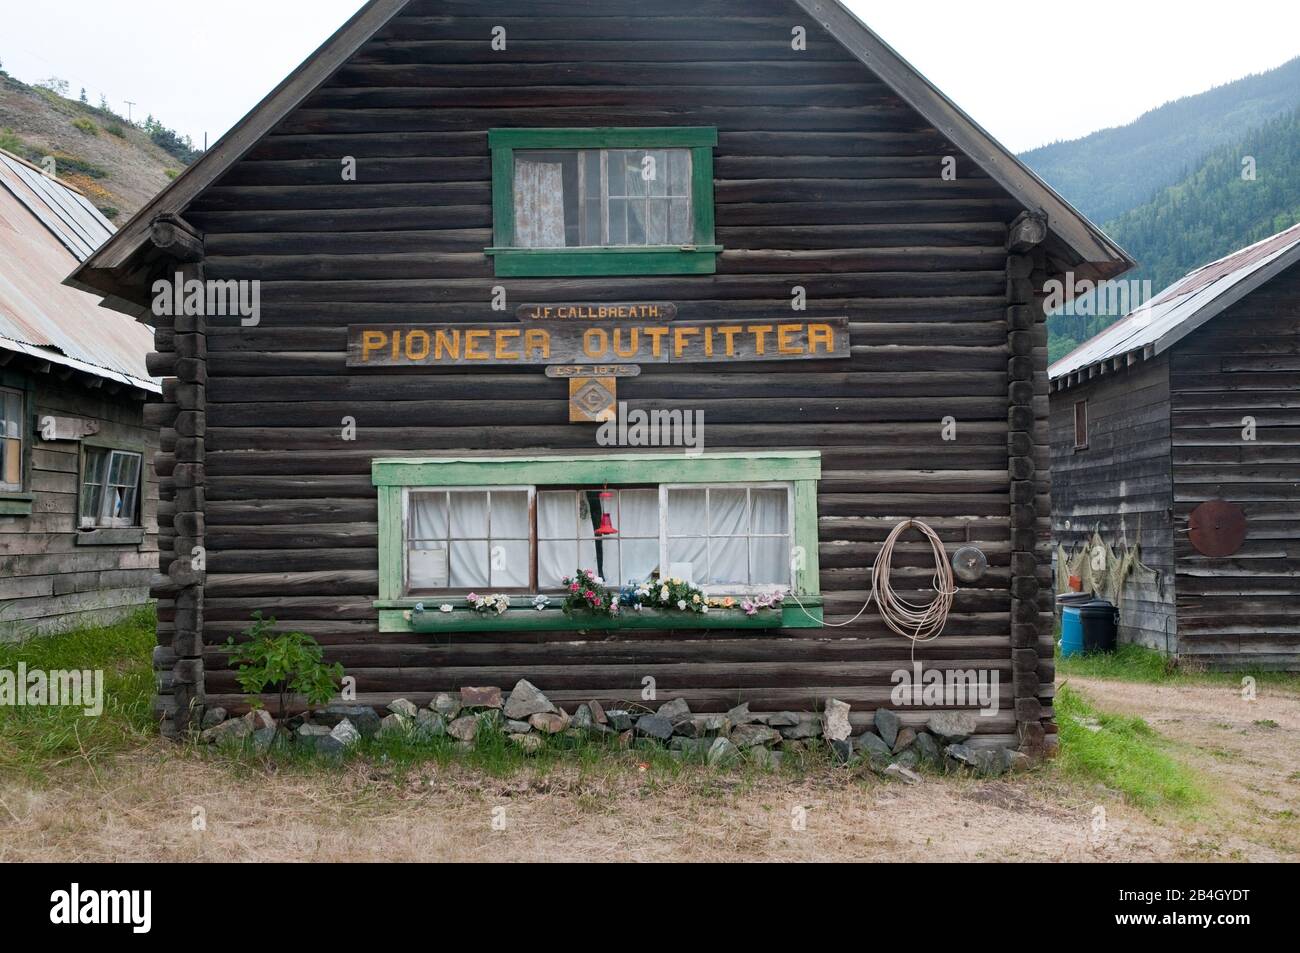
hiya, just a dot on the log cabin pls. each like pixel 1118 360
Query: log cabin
pixel 1173 436
pixel 78 537
pixel 485 241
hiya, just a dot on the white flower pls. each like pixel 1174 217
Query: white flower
pixel 681 603
pixel 705 609
pixel 446 608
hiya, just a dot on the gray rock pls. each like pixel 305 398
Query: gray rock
pixel 403 707
pixel 1016 761
pixel 952 727
pixel 887 726
pixel 583 719
pixel 675 711
pixel 480 697
pixel 394 724
pixel 446 705
pixel 343 736
pixel 513 727
pixel 750 736
pixel 764 757
pixel 528 742
pixel 722 753
pixel 213 717
pixel 527 700
pixel 842 749
pixel 309 736
pixel 464 728
pixel 264 738
pixel 906 738
pixel 619 720
pixel 809 726
pixel 236 729
pixel 900 773
pixel 654 726
pixel 908 758
pixel 258 719
pixel 429 724
pixel 709 726
pixel 363 717
pixel 692 747
pixel 928 749
pixel 873 748
pixel 598 712
pixel 741 715
pixel 835 721
pixel 986 761
pixel 781 719
pixel 549 723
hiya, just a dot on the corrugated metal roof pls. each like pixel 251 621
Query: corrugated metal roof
pixel 46 230
pixel 1181 308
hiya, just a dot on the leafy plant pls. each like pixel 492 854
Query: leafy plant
pixel 586 591
pixel 289 663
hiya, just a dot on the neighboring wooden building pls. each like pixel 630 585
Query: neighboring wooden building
pixel 1175 431
pixel 411 194
pixel 78 531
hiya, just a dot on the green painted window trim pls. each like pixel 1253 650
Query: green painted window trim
pixel 526 619
pixel 698 258
pixel 801 468
pixel 15 504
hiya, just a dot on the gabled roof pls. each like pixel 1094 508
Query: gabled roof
pixel 47 227
pixel 1073 242
pixel 1179 310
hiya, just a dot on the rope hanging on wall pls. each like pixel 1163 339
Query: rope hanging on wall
pixel 916 622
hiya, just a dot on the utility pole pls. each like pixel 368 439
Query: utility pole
pixel 129 104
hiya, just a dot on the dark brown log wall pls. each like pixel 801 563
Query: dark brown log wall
pixel 824 179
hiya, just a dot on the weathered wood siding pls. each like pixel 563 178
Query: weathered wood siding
pixel 1242 611
pixel 824 179
pixel 48 582
pixel 1121 486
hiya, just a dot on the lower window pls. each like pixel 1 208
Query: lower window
pixel 110 488
pixel 11 440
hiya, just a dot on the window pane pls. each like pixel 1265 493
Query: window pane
pixel 509 567
pixel 630 164
pixel 727 515
pixel 769 561
pixel 127 511
pixel 510 514
pixel 539 203
pixel 617 222
pixel 640 558
pixel 729 562
pixel 679 172
pixel 427 565
pixel 636 222
pixel 657 184
pixel 428 516
pixel 469 563
pixel 12 470
pixel 686 512
pixel 469 514
pixel 10 415
pixel 771 511
pixel 592 213
pixel 555 560
pixel 638 513
pixel 692 552
pixel 681 229
pixel 606 565
pixel 131 469
pixel 91 494
pixel 657 225
pixel 557 514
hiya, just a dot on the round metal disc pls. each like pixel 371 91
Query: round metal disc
pixel 968 563
pixel 1217 528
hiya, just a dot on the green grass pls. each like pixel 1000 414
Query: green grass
pixel 34 740
pixel 1123 754
pixel 85 125
pixel 1136 663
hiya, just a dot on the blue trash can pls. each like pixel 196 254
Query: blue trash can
pixel 1071 631
pixel 1088 627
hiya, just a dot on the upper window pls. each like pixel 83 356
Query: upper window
pixel 603 201
pixel 11 440
pixel 1081 425
pixel 110 488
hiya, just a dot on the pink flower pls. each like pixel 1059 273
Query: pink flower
pixel 473 596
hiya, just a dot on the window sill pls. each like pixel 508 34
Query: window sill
pixel 111 536
pixel 527 619
pixel 581 262
pixel 15 504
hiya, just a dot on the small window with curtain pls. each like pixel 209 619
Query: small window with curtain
pixel 1081 425
pixel 11 440
pixel 603 201
pixel 110 488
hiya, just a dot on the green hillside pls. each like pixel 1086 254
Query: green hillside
pixel 1114 170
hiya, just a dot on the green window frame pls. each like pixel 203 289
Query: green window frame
pixel 395 478
pixel 16 498
pixel 696 258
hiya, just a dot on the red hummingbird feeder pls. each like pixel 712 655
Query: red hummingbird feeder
pixel 606 527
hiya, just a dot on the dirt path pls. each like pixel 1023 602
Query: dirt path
pixel 148 805
pixel 1249 750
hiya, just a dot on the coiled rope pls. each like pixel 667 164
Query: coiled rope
pixel 918 623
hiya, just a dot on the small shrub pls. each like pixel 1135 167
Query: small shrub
pixel 170 173
pixel 109 212
pixel 85 125
pixel 115 130
pixel 287 664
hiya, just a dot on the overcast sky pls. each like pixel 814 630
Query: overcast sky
pixel 199 65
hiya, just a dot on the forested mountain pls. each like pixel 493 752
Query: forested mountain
pixel 1114 170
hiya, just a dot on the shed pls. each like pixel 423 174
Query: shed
pixel 485 245
pixel 1174 441
pixel 77 494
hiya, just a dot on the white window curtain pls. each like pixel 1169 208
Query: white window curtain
pixel 539 204
pixel 469 539
pixel 729 537
pixel 567 541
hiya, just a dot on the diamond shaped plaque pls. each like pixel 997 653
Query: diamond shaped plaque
pixel 592 399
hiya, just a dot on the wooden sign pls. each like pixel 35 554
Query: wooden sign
pixel 592 400
pixel 594 370
pixel 598 342
pixel 633 311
